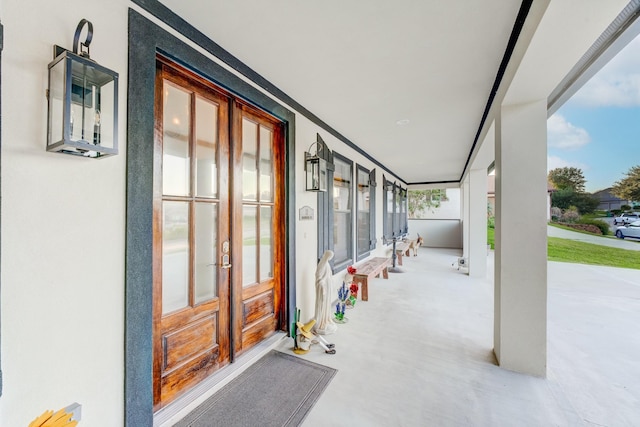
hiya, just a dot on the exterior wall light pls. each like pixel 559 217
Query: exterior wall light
pixel 316 167
pixel 83 102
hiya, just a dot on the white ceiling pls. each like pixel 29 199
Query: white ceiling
pixel 361 66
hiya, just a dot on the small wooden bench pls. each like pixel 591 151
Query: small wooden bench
pixel 368 270
pixel 402 249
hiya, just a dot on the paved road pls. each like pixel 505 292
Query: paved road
pixel 633 244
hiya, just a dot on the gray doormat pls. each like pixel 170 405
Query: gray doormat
pixel 277 390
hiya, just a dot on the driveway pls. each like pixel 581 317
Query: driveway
pixel 632 244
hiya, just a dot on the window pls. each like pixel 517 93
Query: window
pixel 365 206
pixel 342 206
pixel 404 226
pixel 394 210
pixel 342 211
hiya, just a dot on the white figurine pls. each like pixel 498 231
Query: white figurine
pixel 324 296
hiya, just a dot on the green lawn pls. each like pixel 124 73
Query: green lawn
pixel 587 253
pixel 564 250
pixel 491 237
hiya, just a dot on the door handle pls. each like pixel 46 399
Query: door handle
pixel 225 256
pixel 225 262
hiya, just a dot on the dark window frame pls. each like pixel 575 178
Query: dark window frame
pixel 371 232
pixel 343 263
pixel 399 216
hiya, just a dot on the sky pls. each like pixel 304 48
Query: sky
pixel 598 129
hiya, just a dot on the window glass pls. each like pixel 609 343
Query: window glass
pixel 342 211
pixel 395 210
pixel 388 215
pixel 364 217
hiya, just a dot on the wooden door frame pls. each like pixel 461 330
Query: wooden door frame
pixel 146 40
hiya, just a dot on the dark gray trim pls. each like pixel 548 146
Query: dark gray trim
pixel 455 181
pixel 167 16
pixel 145 41
pixel 1 47
pixel 513 39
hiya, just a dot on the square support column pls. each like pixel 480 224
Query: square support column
pixel 465 216
pixel 520 320
pixel 477 222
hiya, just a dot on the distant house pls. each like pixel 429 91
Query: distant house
pixel 491 195
pixel 608 201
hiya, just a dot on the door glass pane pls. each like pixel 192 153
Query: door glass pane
pixel 175 256
pixel 175 140
pixel 206 146
pixel 205 251
pixel 266 243
pixel 266 165
pixel 249 247
pixel 249 164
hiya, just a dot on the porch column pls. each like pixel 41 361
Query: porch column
pixel 520 320
pixel 464 214
pixel 477 222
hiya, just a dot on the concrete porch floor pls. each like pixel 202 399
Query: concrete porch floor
pixel 419 352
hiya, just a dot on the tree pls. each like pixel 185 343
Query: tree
pixel 628 188
pixel 421 200
pixel 563 178
pixel 567 198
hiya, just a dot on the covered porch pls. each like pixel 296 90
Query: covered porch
pixel 427 359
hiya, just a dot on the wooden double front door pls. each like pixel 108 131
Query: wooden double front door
pixel 218 229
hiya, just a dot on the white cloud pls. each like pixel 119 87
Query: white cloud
pixel 554 162
pixel 617 84
pixel 562 134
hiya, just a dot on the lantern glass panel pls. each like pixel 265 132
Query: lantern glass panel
pixel 91 116
pixel 56 103
pixel 313 174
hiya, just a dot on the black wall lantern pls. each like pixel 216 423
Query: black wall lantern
pixel 316 167
pixel 83 102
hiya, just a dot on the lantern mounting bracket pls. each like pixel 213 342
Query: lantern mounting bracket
pixel 84 46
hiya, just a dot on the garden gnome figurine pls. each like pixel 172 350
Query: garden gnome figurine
pixel 304 339
pixel 324 296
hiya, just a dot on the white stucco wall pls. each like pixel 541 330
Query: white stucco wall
pixel 441 227
pixel 306 231
pixel 63 227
